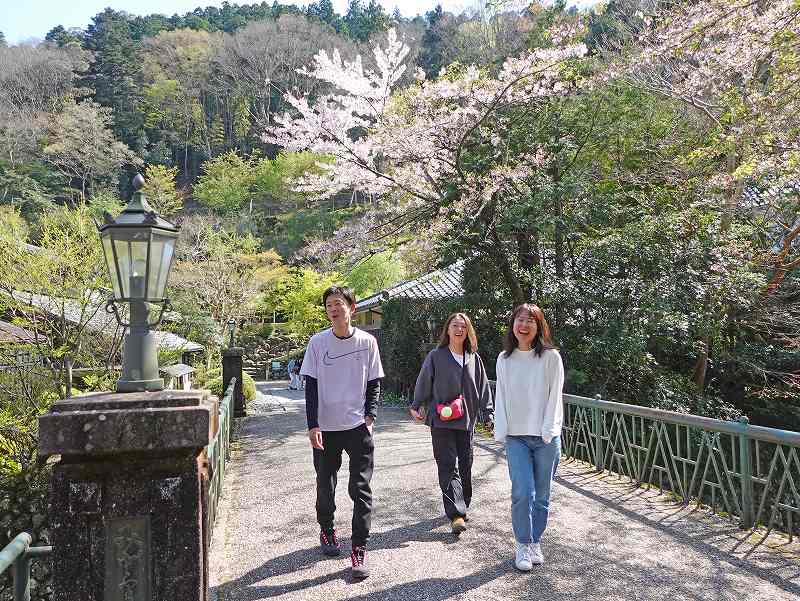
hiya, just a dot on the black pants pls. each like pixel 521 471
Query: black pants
pixel 452 450
pixel 358 445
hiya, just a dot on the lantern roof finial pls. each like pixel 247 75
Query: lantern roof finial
pixel 138 182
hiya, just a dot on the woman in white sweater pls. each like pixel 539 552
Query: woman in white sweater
pixel 528 416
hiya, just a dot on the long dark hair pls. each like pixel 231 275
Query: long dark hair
pixel 541 342
pixel 471 341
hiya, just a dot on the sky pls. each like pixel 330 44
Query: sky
pixel 22 20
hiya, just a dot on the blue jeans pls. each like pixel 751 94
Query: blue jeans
pixel 531 466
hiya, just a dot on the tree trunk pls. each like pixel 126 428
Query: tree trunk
pixel 517 293
pixel 528 258
pixel 731 204
pixel 701 365
pixel 68 377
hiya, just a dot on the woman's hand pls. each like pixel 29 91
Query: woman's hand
pixel 418 414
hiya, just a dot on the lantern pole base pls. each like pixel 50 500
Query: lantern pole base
pixel 140 355
pixel 140 385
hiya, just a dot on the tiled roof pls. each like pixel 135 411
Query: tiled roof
pixel 173 342
pixel 758 197
pixel 96 318
pixel 177 370
pixel 442 283
pixel 15 334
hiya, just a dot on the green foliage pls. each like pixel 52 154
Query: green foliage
pixel 26 392
pixel 295 228
pixel 361 22
pixel 249 390
pixel 375 273
pixel 231 182
pixel 225 184
pixel 62 37
pixel 68 269
pixel 105 201
pixel 159 189
pixel 221 276
pixel 29 186
pixel 299 298
pixel 114 71
pixel 99 381
pixel 391 398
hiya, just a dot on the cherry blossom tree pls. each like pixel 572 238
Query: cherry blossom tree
pixel 416 148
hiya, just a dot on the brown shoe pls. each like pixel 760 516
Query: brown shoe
pixel 458 525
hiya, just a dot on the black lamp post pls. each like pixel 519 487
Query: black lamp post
pixel 139 247
pixel 231 330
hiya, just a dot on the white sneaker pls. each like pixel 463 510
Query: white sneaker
pixel 535 554
pixel 523 559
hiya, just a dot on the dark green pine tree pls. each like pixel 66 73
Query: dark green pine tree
pixel 361 22
pixel 322 10
pixel 430 58
pixel 62 37
pixel 375 18
pixel 114 74
pixel 3 42
pixel 354 20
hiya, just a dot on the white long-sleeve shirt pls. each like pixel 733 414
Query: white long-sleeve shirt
pixel 528 396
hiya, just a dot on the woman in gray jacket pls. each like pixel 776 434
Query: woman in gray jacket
pixel 453 385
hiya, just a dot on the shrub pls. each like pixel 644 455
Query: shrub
pixel 215 386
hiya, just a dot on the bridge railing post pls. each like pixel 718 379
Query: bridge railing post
pixel 597 426
pixel 746 475
pixel 232 367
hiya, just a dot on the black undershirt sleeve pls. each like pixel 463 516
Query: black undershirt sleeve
pixel 371 398
pixel 312 403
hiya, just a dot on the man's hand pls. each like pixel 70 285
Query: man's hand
pixel 418 414
pixel 369 420
pixel 315 436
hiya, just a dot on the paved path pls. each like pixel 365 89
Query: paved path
pixel 606 541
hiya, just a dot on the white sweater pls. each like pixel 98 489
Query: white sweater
pixel 528 397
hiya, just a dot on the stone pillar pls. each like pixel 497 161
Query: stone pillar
pixel 126 495
pixel 232 368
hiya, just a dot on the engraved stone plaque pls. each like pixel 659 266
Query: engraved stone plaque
pixel 128 559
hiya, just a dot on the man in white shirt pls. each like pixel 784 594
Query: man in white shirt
pixel 343 370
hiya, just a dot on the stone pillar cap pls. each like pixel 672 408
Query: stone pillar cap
pixel 120 423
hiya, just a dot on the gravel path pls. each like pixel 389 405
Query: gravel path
pixel 605 541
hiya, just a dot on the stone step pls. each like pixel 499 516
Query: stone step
pixel 255 371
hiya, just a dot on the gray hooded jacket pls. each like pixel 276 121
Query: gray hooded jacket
pixel 440 381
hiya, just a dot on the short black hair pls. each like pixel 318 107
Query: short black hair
pixel 343 291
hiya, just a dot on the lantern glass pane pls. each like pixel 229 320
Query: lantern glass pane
pixel 139 269
pixel 161 257
pixel 112 266
pixel 132 264
pixel 123 264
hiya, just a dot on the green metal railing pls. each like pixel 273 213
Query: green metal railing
pixel 738 470
pixel 218 452
pixel 17 555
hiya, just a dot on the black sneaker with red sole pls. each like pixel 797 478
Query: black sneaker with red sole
pixel 359 558
pixel 328 543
